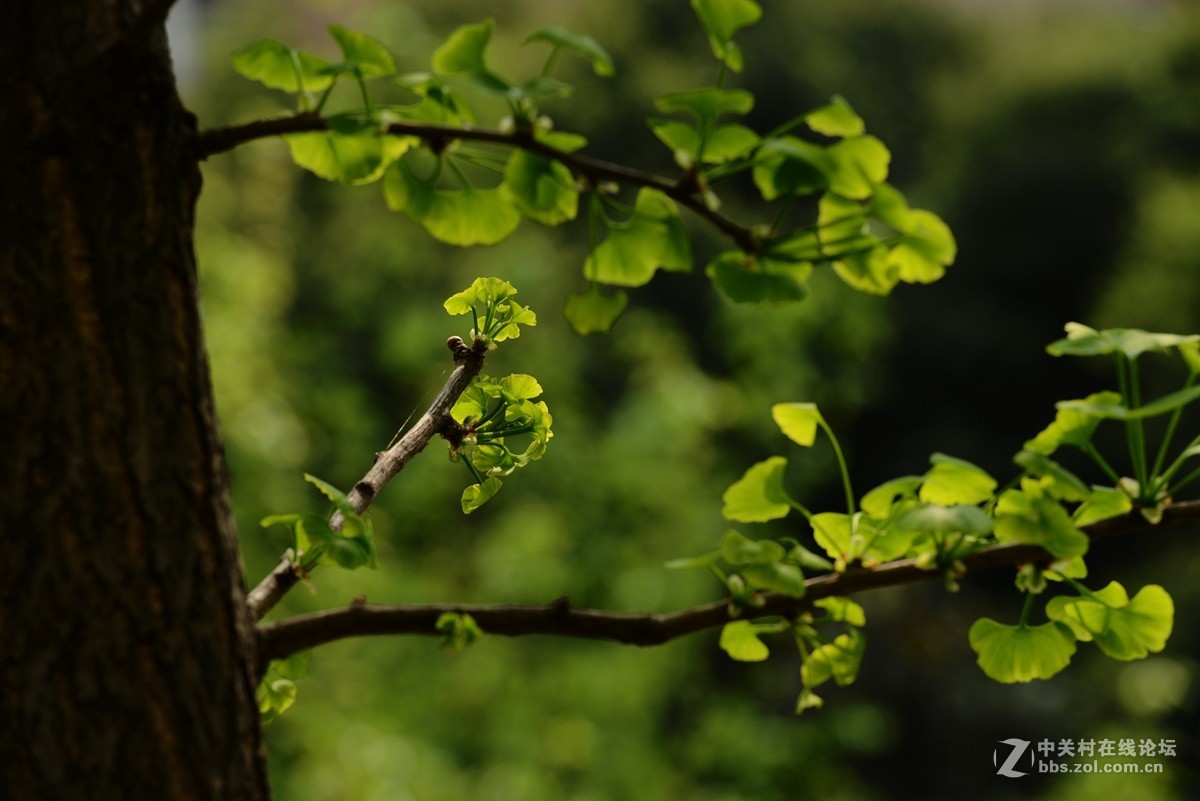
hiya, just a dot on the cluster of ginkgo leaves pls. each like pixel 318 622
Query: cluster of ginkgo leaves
pixel 468 185
pixel 954 509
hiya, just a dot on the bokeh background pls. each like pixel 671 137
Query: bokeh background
pixel 1060 140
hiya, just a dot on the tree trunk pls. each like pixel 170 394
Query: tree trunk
pixel 126 652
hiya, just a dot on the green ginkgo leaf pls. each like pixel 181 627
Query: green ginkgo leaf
pixel 843 610
pixel 1072 425
pixel 758 495
pixel 278 66
pixel 746 279
pixel 579 44
pixel 1058 480
pixel 364 55
pixel 707 104
pixel 455 216
pixel 835 119
pixel 857 165
pixel 593 312
pixel 1132 342
pixel 791 166
pixel 798 421
pixel 737 549
pixel 878 502
pixel 1101 504
pixel 786 579
pixel 924 250
pixel 839 660
pixel 1115 410
pixel 954 481
pixel 1011 654
pixel 352 152
pixel 938 519
pixel 1030 516
pixel 542 189
pixel 463 52
pixel 740 640
pixel 477 495
pixel 721 20
pixel 1123 628
pixel 653 238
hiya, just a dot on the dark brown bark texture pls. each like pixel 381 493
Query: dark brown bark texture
pixel 126 654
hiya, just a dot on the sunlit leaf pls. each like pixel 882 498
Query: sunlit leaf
pixel 954 481
pixel 878 502
pixel 477 495
pixel 1132 342
pixel 857 165
pixel 351 152
pixel 798 421
pixel 1072 426
pixel 1012 654
pixel 1028 515
pixel 758 495
pixel 740 640
pixel 839 660
pixel 835 119
pixel 1063 484
pixel 924 250
pixel 1123 628
pixel 842 610
pixel 275 65
pixel 455 216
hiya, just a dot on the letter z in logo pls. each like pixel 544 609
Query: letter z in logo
pixel 1018 748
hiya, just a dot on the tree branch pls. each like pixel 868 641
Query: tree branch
pixel 468 360
pixel 684 192
pixel 286 637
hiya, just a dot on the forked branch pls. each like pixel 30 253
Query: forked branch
pixel 468 360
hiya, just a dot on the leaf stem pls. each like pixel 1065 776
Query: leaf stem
pixel 1188 479
pixel 1025 610
pixel 841 459
pixel 1132 427
pixel 1161 480
pixel 1108 469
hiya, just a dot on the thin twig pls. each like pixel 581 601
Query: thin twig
pixel 468 360
pixel 684 192
pixel 559 618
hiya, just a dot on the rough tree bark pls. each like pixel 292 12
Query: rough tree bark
pixel 126 650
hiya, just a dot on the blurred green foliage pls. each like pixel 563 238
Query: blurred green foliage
pixel 1064 150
